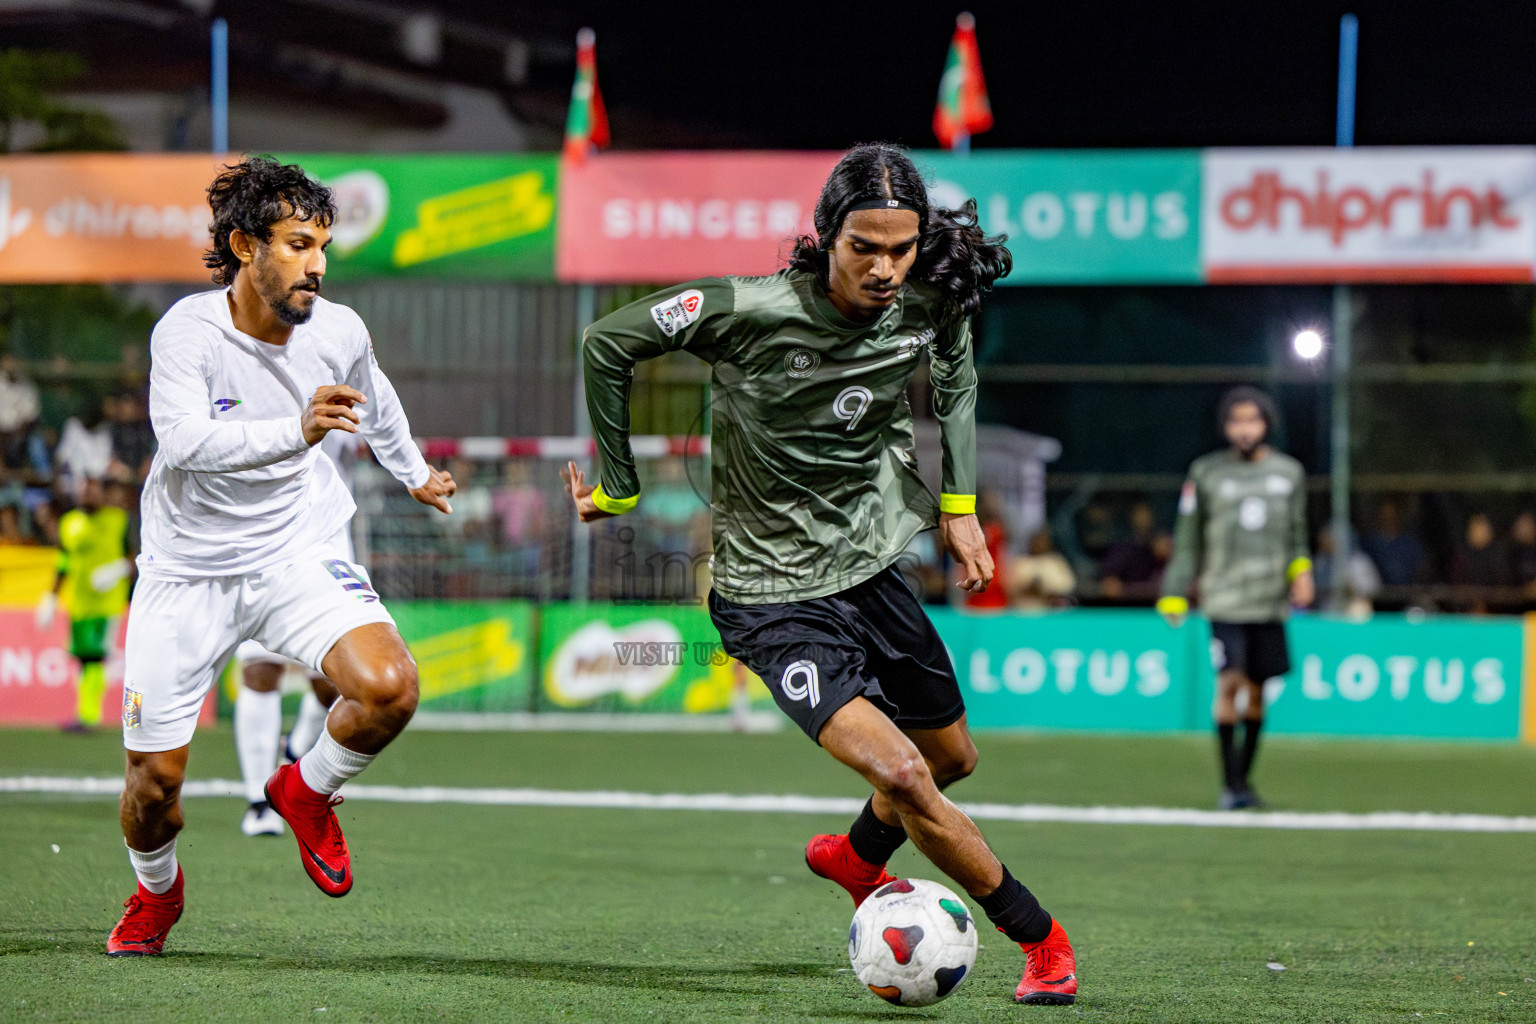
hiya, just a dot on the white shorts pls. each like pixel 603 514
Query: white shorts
pixel 252 653
pixel 181 634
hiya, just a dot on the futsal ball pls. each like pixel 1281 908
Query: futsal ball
pixel 912 942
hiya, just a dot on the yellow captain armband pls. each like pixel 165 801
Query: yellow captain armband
pixel 1173 605
pixel 1296 568
pixel 613 506
pixel 958 504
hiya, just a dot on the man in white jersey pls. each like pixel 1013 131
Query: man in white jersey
pixel 241 516
pixel 259 701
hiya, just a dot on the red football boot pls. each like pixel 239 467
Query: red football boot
pixel 147 921
pixel 322 847
pixel 833 858
pixel 1050 978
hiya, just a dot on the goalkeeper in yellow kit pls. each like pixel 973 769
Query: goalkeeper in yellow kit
pixel 92 584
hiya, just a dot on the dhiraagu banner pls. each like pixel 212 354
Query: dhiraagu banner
pixel 470 655
pixel 1083 217
pixel 1093 670
pixel 1447 678
pixel 441 216
pixel 607 657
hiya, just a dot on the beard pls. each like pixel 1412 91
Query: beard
pixel 281 297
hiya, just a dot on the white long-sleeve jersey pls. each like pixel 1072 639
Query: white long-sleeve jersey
pixel 234 488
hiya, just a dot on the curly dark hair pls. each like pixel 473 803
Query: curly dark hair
pixel 253 195
pixel 954 255
pixel 1247 394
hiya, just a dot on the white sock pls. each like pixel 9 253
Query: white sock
pixel 330 764
pixel 156 869
pixel 258 727
pixel 310 724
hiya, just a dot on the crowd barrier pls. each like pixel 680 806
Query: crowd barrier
pixel 1091 670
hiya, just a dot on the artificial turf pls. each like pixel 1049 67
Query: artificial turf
pixel 543 914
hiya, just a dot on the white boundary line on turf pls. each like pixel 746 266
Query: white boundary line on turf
pixel 756 803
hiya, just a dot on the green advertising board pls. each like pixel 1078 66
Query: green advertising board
pixel 1097 670
pixel 1444 678
pixel 471 655
pixel 1083 217
pixel 607 657
pixel 441 216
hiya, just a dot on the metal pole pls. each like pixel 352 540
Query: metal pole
pixel 581 533
pixel 1343 323
pixel 219 40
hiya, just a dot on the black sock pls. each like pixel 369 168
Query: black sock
pixel 1224 735
pixel 1251 727
pixel 1015 911
pixel 872 839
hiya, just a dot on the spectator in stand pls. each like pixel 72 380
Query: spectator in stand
pixel 1522 553
pixel 1133 568
pixel 994 529
pixel 10 527
pixel 24 466
pixel 1398 556
pixel 84 452
pixel 1480 562
pixel 19 402
pixel 1359 578
pixel 1041 579
pixel 520 507
pixel 133 439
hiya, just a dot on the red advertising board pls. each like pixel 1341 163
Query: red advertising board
pixel 665 217
pixel 1444 214
pixel 38 678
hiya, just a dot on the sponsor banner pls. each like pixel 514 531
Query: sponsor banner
pixel 470 655
pixel 1083 217
pixel 70 218
pixel 39 679
pixel 603 657
pixel 1447 214
pixel 665 217
pixel 1441 678
pixel 440 216
pixel 1095 670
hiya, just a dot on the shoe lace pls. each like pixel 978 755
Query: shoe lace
pixel 136 925
pixel 335 842
pixel 1042 961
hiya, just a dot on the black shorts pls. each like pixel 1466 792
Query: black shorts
pixel 1256 649
pixel 872 640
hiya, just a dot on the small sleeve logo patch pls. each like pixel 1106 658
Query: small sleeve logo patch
pixel 133 708
pixel 1188 499
pixel 675 314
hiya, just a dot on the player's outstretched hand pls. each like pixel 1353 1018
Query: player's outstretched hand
pixel 330 409
pixel 581 494
pixel 967 545
pixel 440 486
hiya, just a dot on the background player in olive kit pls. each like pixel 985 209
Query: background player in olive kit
pixel 815 495
pixel 1242 531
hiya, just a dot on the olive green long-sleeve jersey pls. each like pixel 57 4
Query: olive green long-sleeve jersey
pixel 814 485
pixel 1243 529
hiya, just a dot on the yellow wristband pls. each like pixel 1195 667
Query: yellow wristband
pixel 613 506
pixel 958 504
pixel 1173 606
pixel 1298 567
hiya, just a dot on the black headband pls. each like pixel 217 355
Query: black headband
pixel 881 203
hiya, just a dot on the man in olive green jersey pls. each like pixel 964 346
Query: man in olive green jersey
pixel 815 495
pixel 1243 531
